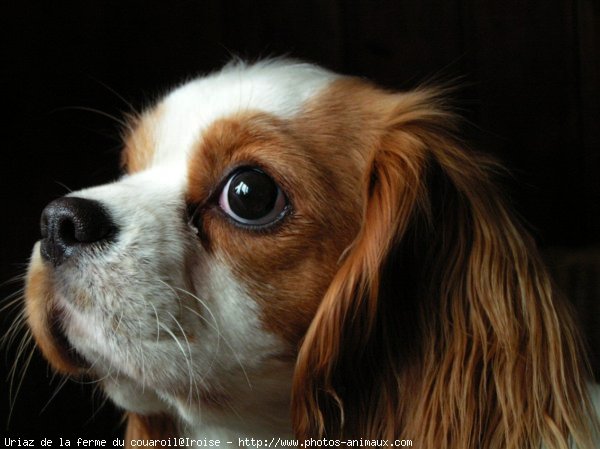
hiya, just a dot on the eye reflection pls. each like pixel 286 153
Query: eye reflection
pixel 252 198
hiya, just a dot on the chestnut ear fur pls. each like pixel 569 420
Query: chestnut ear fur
pixel 153 427
pixel 441 324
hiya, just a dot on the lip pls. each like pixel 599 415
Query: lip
pixel 57 318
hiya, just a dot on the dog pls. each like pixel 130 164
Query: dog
pixel 293 253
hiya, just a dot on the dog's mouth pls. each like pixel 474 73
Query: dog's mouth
pixel 56 320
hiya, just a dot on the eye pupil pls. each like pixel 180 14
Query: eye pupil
pixel 252 195
pixel 253 199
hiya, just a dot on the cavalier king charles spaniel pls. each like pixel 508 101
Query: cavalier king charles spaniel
pixel 296 253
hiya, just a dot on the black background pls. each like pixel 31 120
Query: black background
pixel 529 73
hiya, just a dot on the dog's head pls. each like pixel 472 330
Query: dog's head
pixel 289 239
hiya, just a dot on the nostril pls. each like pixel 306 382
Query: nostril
pixel 69 223
pixel 66 231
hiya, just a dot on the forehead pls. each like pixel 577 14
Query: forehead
pixel 167 134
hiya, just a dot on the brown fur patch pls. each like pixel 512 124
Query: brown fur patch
pixel 287 267
pixel 318 158
pixel 370 155
pixel 153 427
pixel 139 141
pixel 441 324
pixel 39 308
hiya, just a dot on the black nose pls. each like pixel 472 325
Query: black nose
pixel 69 224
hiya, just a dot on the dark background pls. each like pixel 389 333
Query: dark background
pixel 529 73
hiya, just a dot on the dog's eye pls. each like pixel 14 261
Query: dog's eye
pixel 252 198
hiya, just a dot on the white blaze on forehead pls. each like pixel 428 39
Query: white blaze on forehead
pixel 276 87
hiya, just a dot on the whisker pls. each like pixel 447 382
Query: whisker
pixel 217 345
pixel 141 352
pixel 203 303
pixel 97 409
pixel 93 381
pixel 15 279
pixel 12 332
pixel 14 392
pixel 174 290
pixel 64 186
pixel 116 94
pixel 216 327
pixel 54 374
pixel 60 386
pixel 12 300
pixel 157 321
pixel 168 331
pixel 21 348
pixel 189 352
pixel 119 121
pixel 119 322
pixel 97 380
pixel 10 306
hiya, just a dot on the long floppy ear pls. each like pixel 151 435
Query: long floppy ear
pixel 151 427
pixel 441 325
